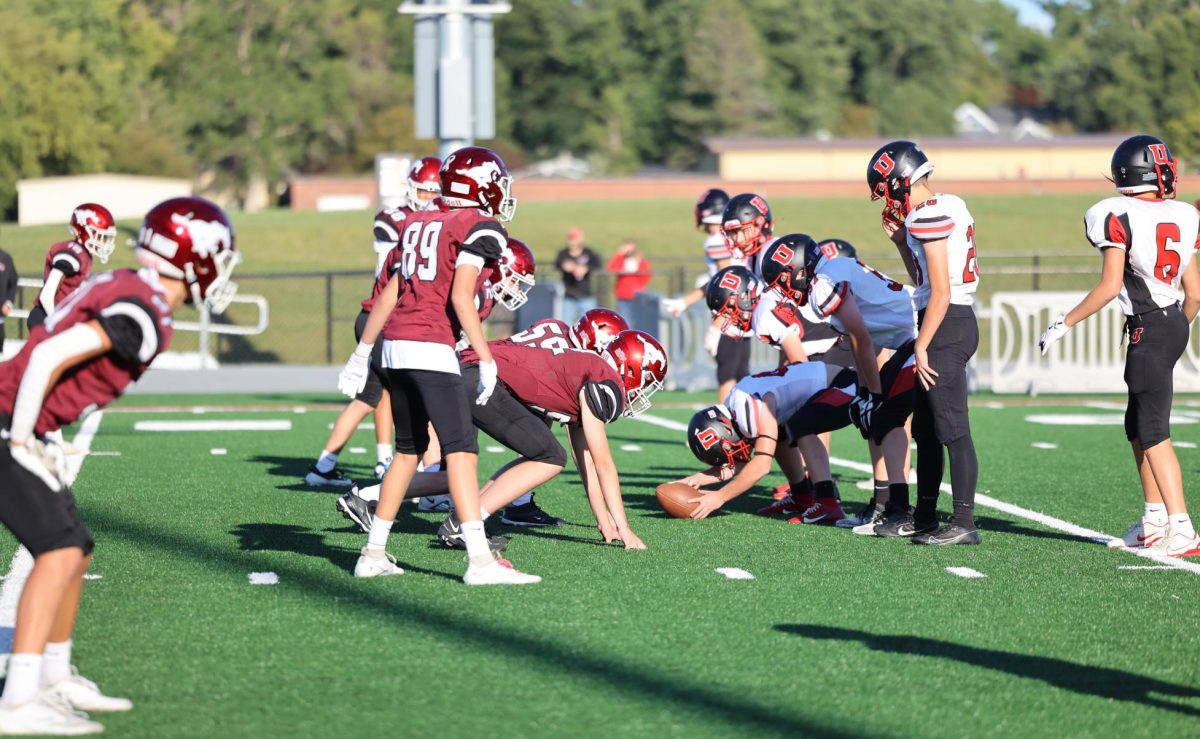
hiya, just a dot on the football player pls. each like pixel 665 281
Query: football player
pixel 1147 240
pixel 95 344
pixel 424 185
pixel 732 355
pixel 68 263
pixel 740 437
pixel 737 301
pixel 935 235
pixel 876 313
pixel 444 252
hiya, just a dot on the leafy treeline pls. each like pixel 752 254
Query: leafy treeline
pixel 242 93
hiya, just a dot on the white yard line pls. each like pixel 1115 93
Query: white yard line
pixel 230 425
pixel 967 572
pixel 22 561
pixel 988 501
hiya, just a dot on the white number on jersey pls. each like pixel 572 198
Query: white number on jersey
pixel 944 218
pixel 420 242
pixel 544 335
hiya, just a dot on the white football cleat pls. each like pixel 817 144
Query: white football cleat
pixel 376 563
pixel 498 572
pixel 46 715
pixel 85 695
pixel 1180 544
pixel 439 503
pixel 1142 533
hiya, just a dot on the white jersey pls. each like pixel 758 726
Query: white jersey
pixel 886 305
pixel 716 250
pixel 776 318
pixel 792 386
pixel 944 217
pixel 1158 238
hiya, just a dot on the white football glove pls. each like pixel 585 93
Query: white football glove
pixel 46 461
pixel 353 377
pixel 674 306
pixel 488 372
pixel 712 340
pixel 1057 330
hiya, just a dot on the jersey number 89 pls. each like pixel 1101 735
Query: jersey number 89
pixel 419 258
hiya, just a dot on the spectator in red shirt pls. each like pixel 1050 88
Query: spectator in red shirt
pixel 633 274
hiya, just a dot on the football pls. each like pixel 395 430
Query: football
pixel 674 497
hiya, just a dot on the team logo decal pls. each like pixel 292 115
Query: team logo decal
pixel 1135 335
pixel 884 164
pixel 208 237
pixel 730 281
pixel 85 215
pixel 783 255
pixel 707 437
pixel 829 249
pixel 651 354
pixel 759 204
pixel 482 173
pixel 1159 152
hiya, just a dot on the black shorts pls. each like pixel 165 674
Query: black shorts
pixel 422 397
pixel 1156 341
pixel 828 410
pixel 941 412
pixel 733 359
pixel 898 378
pixel 512 423
pixel 37 316
pixel 41 519
pixel 372 392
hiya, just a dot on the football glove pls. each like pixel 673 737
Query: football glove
pixel 674 306
pixel 863 410
pixel 712 339
pixel 46 461
pixel 488 372
pixel 1056 331
pixel 353 377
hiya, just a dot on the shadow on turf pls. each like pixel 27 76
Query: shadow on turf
pixel 1101 682
pixel 295 468
pixel 638 682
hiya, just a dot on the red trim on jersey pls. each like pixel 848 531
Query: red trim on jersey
pixel 947 227
pixel 832 396
pixel 905 381
pixel 1114 230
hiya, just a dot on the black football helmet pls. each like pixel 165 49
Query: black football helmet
pixel 785 266
pixel 1143 163
pixel 893 169
pixel 711 206
pixel 732 294
pixel 714 440
pixel 828 249
pixel 747 224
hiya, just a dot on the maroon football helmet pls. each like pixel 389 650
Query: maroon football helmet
pixel 596 329
pixel 92 226
pixel 513 275
pixel 191 239
pixel 423 176
pixel 642 364
pixel 475 177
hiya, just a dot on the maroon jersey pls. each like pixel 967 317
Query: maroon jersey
pixel 432 243
pixel 390 265
pixel 132 310
pixel 74 261
pixel 548 333
pixel 389 222
pixel 549 380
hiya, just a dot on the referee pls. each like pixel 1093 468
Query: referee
pixel 8 289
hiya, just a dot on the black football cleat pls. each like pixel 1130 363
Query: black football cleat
pixel 333 479
pixel 361 512
pixel 948 535
pixel 529 515
pixel 449 533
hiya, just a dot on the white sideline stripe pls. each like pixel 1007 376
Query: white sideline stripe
pixel 734 573
pixel 495 449
pixel 966 572
pixel 1044 445
pixel 104 454
pixel 996 406
pixel 300 409
pixel 281 425
pixel 1097 419
pixel 988 501
pixel 218 452
pixel 264 578
pixel 1144 567
pixel 1183 444
pixel 90 576
pixel 22 561
pixel 361 426
pixel 630 448
pixel 358 450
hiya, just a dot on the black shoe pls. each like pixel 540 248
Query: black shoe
pixel 334 479
pixel 450 535
pixel 361 512
pixel 896 523
pixel 529 515
pixel 947 535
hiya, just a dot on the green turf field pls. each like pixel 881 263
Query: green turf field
pixel 836 635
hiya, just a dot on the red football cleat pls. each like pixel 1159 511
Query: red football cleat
pixel 781 491
pixel 787 506
pixel 825 511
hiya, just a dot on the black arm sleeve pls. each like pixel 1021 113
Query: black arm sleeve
pixel 131 328
pixel 67 265
pixel 486 239
pixel 605 399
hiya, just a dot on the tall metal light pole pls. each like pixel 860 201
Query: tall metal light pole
pixel 454 70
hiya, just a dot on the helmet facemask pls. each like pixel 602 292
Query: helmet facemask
pixel 101 242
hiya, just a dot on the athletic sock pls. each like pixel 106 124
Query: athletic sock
pixel 801 489
pixel 381 528
pixel 478 553
pixel 881 495
pixel 826 489
pixel 383 453
pixel 56 664
pixel 931 464
pixel 964 475
pixel 24 679
pixel 1156 513
pixel 525 499
pixel 898 495
pixel 484 513
pixel 1182 523
pixel 327 461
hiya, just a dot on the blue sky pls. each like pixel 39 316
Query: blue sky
pixel 1030 13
